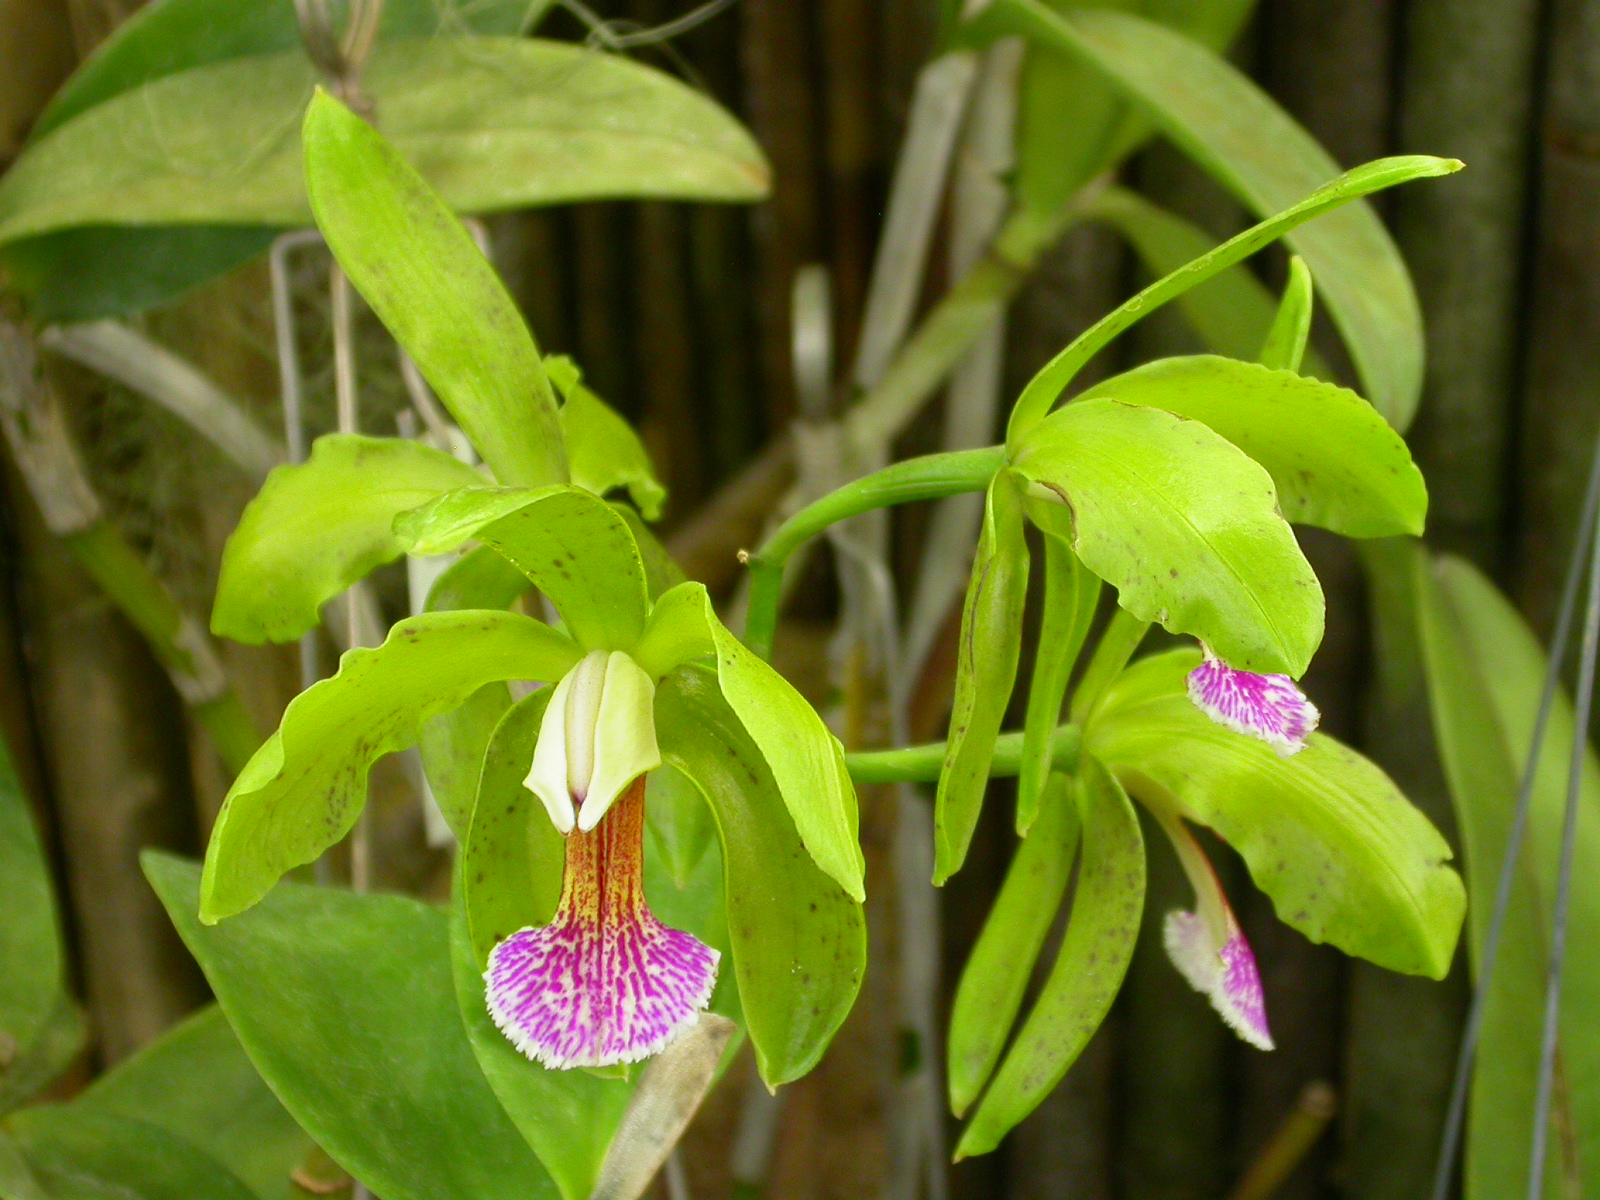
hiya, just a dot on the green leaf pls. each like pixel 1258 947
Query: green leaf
pixel 1344 856
pixel 1101 932
pixel 52 1050
pixel 1285 344
pixel 1071 595
pixel 196 1083
pixel 798 939
pixel 997 973
pixel 1245 141
pixel 680 821
pixel 806 760
pixel 31 984
pixel 316 528
pixel 603 451
pixel 304 788
pixel 986 669
pixel 661 573
pixel 1183 525
pixel 421 272
pixel 346 1006
pixel 575 547
pixel 494 123
pixel 1485 677
pixel 1334 461
pixel 99 1156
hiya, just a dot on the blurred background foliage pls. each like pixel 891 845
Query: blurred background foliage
pixel 680 316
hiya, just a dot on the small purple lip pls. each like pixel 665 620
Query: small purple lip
pixel 604 982
pixel 1268 707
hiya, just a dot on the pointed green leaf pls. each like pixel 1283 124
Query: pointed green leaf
pixel 346 1006
pixel 1183 525
pixel 1245 141
pixel 422 273
pixel 196 1083
pixel 1285 344
pixel 798 940
pixel 986 669
pixel 576 548
pixel 1344 856
pixel 1101 931
pixel 1071 595
pixel 31 983
pixel 316 528
pixel 74 1153
pixel 1334 461
pixel 997 973
pixel 603 450
pixel 1485 677
pixel 304 788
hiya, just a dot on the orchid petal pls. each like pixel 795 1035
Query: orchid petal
pixel 624 737
pixel 1267 707
pixel 547 777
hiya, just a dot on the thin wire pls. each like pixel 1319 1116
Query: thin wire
pixel 1455 1118
pixel 604 32
pixel 1558 918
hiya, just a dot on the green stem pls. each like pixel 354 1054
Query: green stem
pixel 922 764
pixel 1117 644
pixel 931 477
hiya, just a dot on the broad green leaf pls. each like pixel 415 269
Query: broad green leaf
pixel 997 973
pixel 50 1053
pixel 31 983
pixel 100 1156
pixel 89 272
pixel 1244 140
pixel 806 760
pixel 681 825
pixel 986 669
pixel 1072 124
pixel 798 940
pixel 661 573
pixel 1045 388
pixel 1183 524
pixel 316 528
pixel 493 123
pixel 1345 858
pixel 422 273
pixel 1232 311
pixel 304 788
pixel 196 1083
pixel 1485 677
pixel 603 451
pixel 1285 343
pixel 575 547
pixel 1101 931
pixel 346 1006
pixel 452 743
pixel 1335 462
pixel 1071 594
pixel 17 1180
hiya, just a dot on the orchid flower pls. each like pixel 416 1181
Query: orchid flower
pixel 1268 707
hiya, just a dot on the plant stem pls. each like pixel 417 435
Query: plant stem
pixel 922 764
pixel 1117 644
pixel 930 477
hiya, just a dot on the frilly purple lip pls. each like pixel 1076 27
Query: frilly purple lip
pixel 604 982
pixel 1268 707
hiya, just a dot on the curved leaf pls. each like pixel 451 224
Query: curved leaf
pixel 798 940
pixel 492 122
pixel 1285 343
pixel 576 548
pixel 31 983
pixel 1001 964
pixel 1344 856
pixel 1183 525
pixel 1094 955
pixel 196 1083
pixel 986 670
pixel 75 1153
pixel 1335 462
pixel 315 528
pixel 603 450
pixel 346 1006
pixel 1244 140
pixel 422 273
pixel 303 789
pixel 1485 677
